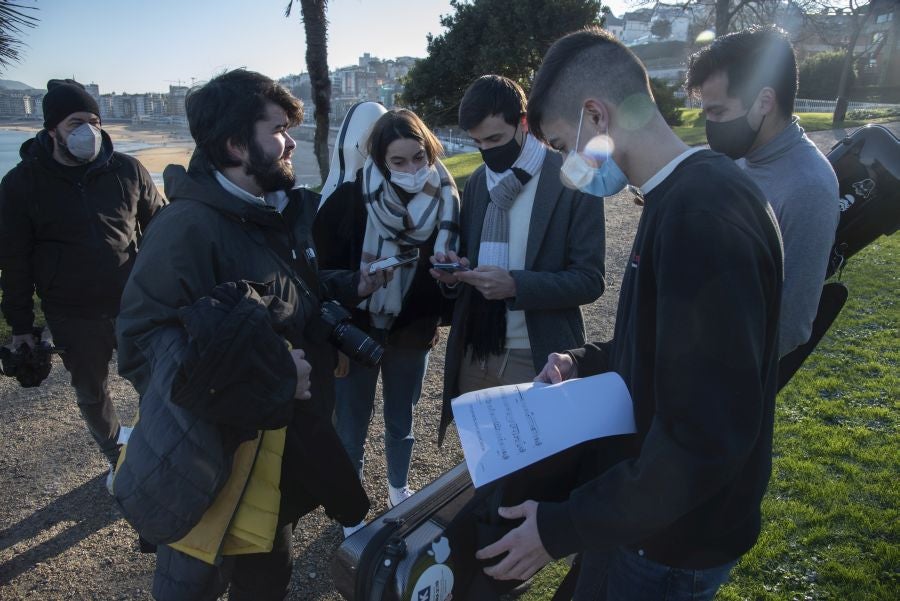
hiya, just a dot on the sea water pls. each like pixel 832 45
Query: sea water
pixel 10 142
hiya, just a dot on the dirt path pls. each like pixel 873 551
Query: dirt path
pixel 61 536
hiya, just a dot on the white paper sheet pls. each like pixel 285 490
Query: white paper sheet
pixel 506 428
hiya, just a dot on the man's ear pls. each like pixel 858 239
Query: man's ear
pixel 596 114
pixel 235 150
pixel 766 101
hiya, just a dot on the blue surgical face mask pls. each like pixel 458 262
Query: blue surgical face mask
pixel 580 174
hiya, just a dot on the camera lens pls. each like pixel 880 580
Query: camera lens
pixel 357 345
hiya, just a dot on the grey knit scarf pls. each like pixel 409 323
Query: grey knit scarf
pixel 503 189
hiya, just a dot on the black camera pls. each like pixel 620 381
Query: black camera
pixel 349 339
pixel 30 366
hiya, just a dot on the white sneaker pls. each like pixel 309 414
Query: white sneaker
pixel 348 530
pixel 110 476
pixel 398 495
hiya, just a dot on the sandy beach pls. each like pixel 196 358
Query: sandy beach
pixel 156 146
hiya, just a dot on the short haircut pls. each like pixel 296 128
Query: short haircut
pixel 584 64
pixel 394 125
pixel 491 95
pixel 228 107
pixel 753 59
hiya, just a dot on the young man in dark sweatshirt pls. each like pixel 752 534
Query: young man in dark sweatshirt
pixel 696 342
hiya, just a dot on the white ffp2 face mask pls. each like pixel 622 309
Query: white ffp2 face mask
pixel 411 182
pixel 84 142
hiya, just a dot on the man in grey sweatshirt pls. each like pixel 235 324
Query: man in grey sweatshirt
pixel 747 82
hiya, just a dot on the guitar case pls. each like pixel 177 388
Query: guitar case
pixel 350 150
pixel 867 164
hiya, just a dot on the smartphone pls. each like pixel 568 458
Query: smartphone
pixel 450 267
pixel 401 259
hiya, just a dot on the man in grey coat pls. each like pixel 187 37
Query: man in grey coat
pixel 532 251
pixel 747 81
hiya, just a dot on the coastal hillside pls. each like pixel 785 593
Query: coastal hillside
pixel 11 84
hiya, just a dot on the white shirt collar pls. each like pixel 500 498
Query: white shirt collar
pixel 278 199
pixel 666 171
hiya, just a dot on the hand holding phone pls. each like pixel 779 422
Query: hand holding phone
pixel 395 261
pixel 452 267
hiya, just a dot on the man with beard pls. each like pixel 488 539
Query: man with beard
pixel 235 223
pixel 71 216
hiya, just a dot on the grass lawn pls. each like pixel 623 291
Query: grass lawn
pixel 831 517
pixel 693 128
pixel 461 167
pixel 5 331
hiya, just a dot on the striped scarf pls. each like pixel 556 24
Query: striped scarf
pixel 394 226
pixel 503 189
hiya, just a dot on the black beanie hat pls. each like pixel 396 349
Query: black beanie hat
pixel 64 97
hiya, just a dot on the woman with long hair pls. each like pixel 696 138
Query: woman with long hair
pixel 403 199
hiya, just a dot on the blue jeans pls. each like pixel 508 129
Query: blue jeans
pixel 402 372
pixel 623 575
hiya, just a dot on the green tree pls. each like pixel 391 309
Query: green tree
pixel 489 36
pixel 13 19
pixel 661 28
pixel 316 26
pixel 668 103
pixel 820 75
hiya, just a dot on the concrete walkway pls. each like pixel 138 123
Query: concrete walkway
pixel 826 139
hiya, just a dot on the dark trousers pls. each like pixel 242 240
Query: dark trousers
pixel 254 577
pixel 624 575
pixel 88 347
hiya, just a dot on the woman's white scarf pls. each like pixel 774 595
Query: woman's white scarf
pixel 394 226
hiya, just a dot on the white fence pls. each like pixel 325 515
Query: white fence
pixel 803 105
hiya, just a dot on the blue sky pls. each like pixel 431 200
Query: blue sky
pixel 142 46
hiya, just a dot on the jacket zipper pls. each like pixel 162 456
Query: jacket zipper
pixel 92 219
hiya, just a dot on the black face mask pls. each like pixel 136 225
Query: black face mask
pixel 732 138
pixel 500 158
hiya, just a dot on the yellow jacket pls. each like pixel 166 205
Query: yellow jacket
pixel 244 516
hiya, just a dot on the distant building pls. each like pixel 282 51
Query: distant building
pixel 21 103
pixel 614 25
pixel 15 104
pixel 366 59
pixel 880 46
pixel 637 26
pixel 94 90
pixel 177 94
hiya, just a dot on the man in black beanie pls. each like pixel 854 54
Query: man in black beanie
pixel 71 215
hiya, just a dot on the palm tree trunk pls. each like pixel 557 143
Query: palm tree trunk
pixel 316 26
